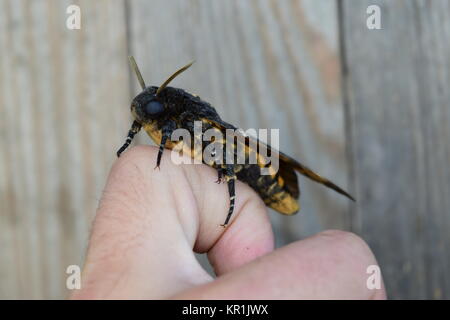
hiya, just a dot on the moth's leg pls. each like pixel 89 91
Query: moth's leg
pixel 230 178
pixel 167 130
pixel 219 175
pixel 135 127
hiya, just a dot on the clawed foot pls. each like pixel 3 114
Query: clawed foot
pixel 220 180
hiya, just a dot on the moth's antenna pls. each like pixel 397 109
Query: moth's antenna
pixel 173 76
pixel 136 70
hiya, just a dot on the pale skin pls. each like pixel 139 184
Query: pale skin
pixel 149 223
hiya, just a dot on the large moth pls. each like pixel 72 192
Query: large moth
pixel 161 110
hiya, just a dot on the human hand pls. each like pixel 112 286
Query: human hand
pixel 150 222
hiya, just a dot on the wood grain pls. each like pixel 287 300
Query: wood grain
pixel 63 97
pixel 382 123
pixel 398 100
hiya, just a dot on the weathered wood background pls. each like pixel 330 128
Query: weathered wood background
pixel 368 108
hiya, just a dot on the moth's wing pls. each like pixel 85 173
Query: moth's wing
pixel 286 171
pixel 304 170
pixel 290 178
pixel 288 165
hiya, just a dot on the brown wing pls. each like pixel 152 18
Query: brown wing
pixel 312 175
pixel 290 178
pixel 288 165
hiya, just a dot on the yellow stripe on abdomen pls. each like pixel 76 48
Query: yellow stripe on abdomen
pixel 284 203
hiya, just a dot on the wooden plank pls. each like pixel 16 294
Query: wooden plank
pixel 262 64
pixel 397 90
pixel 63 96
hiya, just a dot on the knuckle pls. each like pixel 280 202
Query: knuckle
pixel 349 243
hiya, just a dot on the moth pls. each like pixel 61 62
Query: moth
pixel 161 110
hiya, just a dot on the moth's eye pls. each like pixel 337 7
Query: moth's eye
pixel 154 108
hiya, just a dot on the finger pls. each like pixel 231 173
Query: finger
pixel 148 222
pixel 248 237
pixel 249 233
pixel 330 265
pixel 138 246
